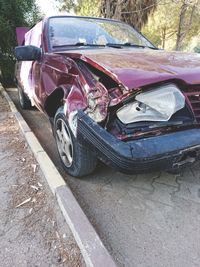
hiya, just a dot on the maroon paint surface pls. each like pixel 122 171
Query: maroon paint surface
pixel 20 32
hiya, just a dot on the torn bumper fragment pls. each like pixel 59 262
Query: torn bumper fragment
pixel 163 152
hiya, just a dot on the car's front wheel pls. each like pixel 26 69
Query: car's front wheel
pixel 77 159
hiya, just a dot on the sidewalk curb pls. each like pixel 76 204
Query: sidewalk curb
pixel 94 252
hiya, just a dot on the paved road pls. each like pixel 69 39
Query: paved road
pixel 144 220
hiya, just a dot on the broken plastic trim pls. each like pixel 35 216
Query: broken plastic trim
pixel 98 101
pixel 138 156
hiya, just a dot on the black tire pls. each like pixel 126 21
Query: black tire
pixel 24 101
pixel 78 161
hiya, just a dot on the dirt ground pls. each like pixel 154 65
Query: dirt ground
pixel 32 229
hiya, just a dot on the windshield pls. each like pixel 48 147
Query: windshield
pixel 78 31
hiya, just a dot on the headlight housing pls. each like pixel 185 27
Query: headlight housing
pixel 158 104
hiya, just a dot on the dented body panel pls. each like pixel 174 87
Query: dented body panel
pixel 93 83
pixel 143 67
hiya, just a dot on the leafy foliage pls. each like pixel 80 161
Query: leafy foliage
pixel 134 12
pixel 66 5
pixel 163 25
pixel 88 8
pixel 81 7
pixel 13 14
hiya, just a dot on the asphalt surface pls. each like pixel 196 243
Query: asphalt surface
pixel 143 220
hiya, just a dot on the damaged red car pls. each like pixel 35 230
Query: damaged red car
pixel 110 94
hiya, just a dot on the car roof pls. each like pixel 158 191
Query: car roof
pixel 83 17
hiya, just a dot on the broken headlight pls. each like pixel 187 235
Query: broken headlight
pixel 158 104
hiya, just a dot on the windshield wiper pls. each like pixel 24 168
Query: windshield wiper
pixel 114 45
pixel 108 44
pixel 78 44
pixel 142 46
pixel 129 45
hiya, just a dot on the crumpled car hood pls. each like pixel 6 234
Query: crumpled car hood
pixel 139 67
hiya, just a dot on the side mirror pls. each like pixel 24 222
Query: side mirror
pixel 28 53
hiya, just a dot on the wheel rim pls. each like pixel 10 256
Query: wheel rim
pixel 64 142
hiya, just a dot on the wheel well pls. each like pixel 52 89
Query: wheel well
pixel 53 102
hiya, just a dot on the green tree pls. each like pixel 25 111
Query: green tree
pixel 81 7
pixel 134 12
pixel 173 24
pixel 67 5
pixel 13 14
pixel 187 14
pixel 88 8
pixel 161 28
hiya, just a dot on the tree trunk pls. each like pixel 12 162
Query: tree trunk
pixel 118 10
pixel 163 37
pixel 183 29
pixel 108 7
pixel 133 12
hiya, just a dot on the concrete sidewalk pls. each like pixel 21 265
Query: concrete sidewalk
pixel 32 229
